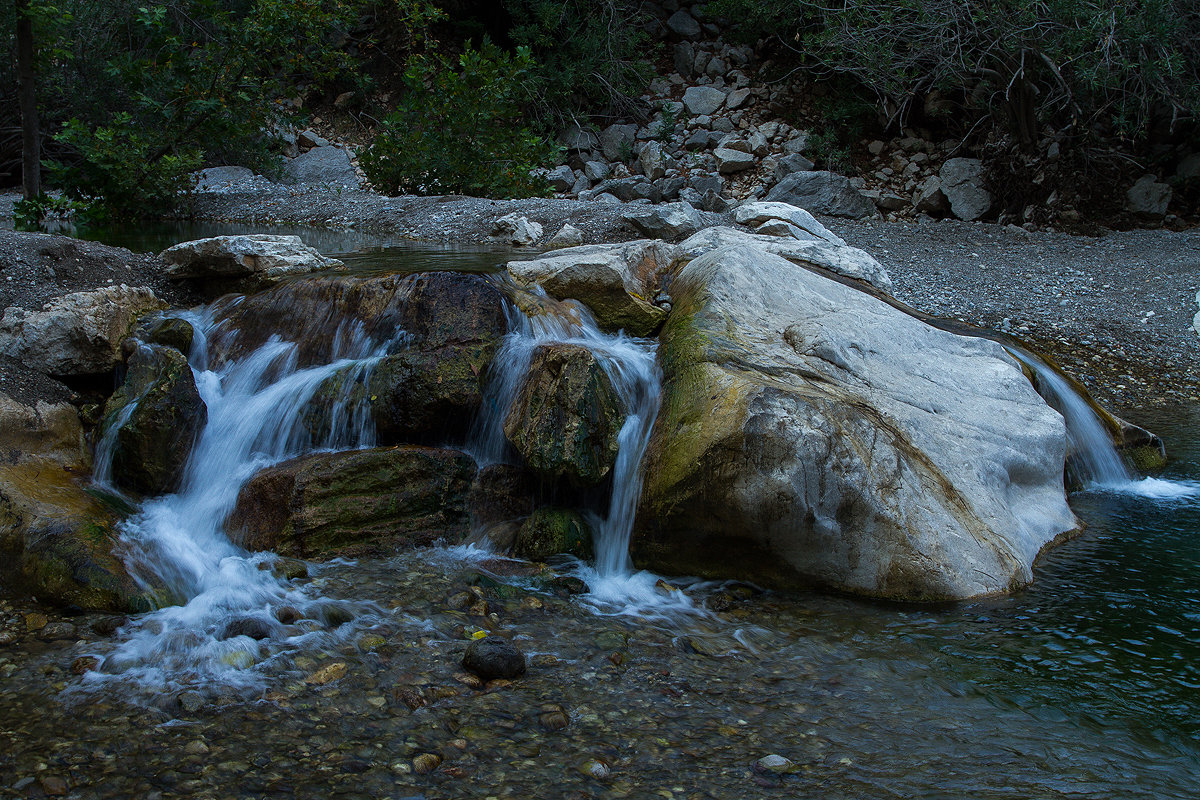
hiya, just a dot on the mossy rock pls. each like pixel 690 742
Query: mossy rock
pixel 550 531
pixel 171 332
pixel 153 442
pixel 566 417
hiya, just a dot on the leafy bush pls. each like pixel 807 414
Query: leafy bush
pixel 1079 62
pixel 459 129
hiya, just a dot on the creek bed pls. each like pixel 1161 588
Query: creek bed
pixel 1084 685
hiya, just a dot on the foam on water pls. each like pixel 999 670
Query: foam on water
pixel 175 546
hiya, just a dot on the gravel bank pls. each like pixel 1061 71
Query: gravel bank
pixel 1115 311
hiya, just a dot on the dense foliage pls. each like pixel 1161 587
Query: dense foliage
pixel 1088 65
pixel 459 129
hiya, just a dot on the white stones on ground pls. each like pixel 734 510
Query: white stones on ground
pixel 823 193
pixel 517 230
pixel 262 256
pixel 702 100
pixel 568 236
pixel 962 183
pixel 849 262
pixel 1147 197
pixel 730 161
pixel 668 221
pixel 759 213
pixel 78 333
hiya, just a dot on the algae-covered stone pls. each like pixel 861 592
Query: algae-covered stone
pixel 55 538
pixel 428 395
pixel 357 502
pixel 812 434
pixel 566 416
pixel 171 332
pixel 550 531
pixel 155 416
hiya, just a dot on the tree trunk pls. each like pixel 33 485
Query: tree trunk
pixel 27 98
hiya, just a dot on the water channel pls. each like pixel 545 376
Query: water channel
pixel 1084 685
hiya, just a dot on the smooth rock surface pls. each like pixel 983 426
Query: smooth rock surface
pixel 76 334
pixel 846 261
pixel 264 258
pixel 666 221
pixel 325 165
pixel 494 657
pixel 614 280
pixel 756 213
pixel 812 434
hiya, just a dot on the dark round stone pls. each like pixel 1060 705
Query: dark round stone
pixel 253 627
pixel 492 657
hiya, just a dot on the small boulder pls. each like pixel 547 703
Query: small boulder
pixel 670 221
pixel 616 141
pixel 517 230
pixel 324 165
pixel 730 160
pixel 551 531
pixel 823 193
pixel 702 100
pixel 568 236
pixel 758 213
pixel 566 417
pixel 252 259
pixel 1148 198
pixel 493 657
pixel 962 183
pixel 76 334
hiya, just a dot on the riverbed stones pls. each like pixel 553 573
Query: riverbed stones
pixel 152 420
pixel 359 502
pixel 822 192
pixel 494 657
pixel 814 435
pixel 77 334
pixel 250 260
pixel 613 280
pixel 566 417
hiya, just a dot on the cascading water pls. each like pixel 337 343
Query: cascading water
pixel 1099 465
pixel 230 602
pixel 615 587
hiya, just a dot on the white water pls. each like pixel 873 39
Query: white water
pixel 176 543
pixel 1099 465
pixel 614 586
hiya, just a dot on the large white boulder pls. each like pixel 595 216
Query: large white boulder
pixel 812 434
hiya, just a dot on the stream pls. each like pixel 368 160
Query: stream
pixel 1082 685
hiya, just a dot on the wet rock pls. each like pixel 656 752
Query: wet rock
pixel 76 334
pixel 55 538
pixel 171 332
pixel 775 763
pixel 822 193
pixel 418 395
pixel 595 768
pixel 328 673
pixel 155 417
pixel 501 493
pixel 253 260
pixel 363 501
pixel 553 717
pixel 252 627
pixel 424 763
pixel 962 183
pixel 493 657
pixel 551 531
pixel 613 280
pixel 566 416
pixel 819 460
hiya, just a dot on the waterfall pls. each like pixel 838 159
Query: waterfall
pixel 630 364
pixel 1098 464
pixel 176 543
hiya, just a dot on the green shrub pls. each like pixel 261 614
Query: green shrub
pixel 459 129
